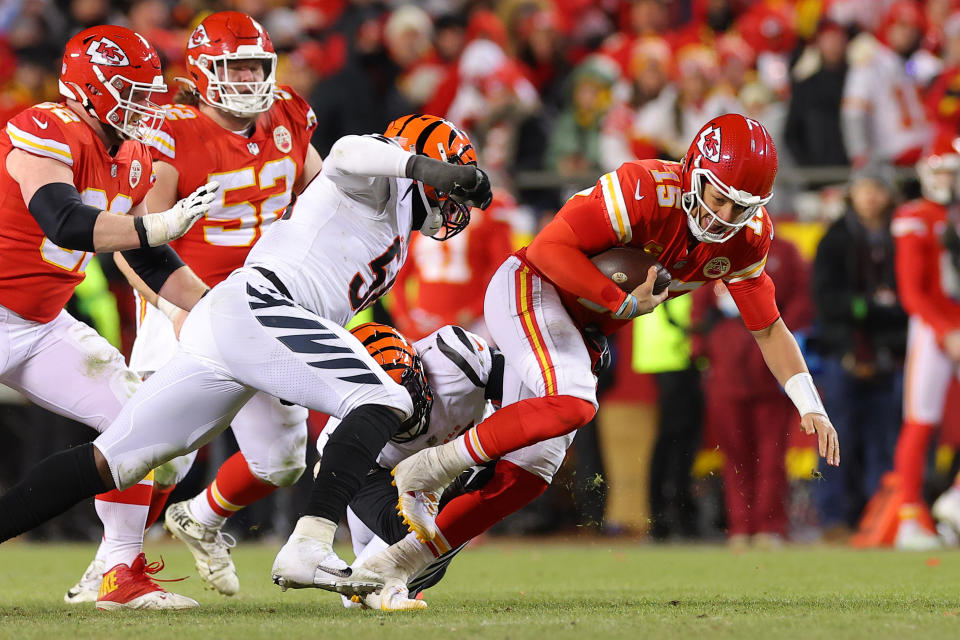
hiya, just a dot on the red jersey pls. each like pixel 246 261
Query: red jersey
pixel 256 176
pixel 451 276
pixel 928 279
pixel 36 276
pixel 638 205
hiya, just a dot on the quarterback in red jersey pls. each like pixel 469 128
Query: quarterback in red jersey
pixel 449 276
pixel 72 182
pixel 928 279
pixel 703 218
pixel 231 123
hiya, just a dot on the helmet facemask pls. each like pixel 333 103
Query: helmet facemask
pixel 717 229
pixel 135 116
pixel 940 178
pixel 414 380
pixel 241 99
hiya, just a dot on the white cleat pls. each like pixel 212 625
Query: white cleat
pixel 392 597
pixel 911 536
pixel 946 510
pixel 420 479
pixel 305 563
pixel 210 548
pixel 87 589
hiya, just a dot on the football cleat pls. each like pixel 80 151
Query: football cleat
pixel 88 587
pixel 306 562
pixel 130 587
pixel 395 565
pixel 946 510
pixel 424 473
pixel 912 536
pixel 210 548
pixel 418 510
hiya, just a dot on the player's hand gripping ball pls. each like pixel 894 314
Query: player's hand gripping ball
pixel 628 268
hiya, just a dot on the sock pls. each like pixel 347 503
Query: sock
pixel 467 516
pixel 234 488
pixel 124 517
pixel 524 423
pixel 316 528
pixel 158 500
pixel 909 460
pixel 350 453
pixel 48 489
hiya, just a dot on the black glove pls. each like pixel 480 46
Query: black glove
pixel 463 183
pixel 597 343
pixel 479 195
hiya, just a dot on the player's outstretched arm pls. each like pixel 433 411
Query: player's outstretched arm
pixel 785 361
pixel 46 185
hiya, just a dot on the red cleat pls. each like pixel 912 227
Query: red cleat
pixel 130 587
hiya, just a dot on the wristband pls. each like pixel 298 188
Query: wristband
pixel 141 232
pixel 167 308
pixel 803 394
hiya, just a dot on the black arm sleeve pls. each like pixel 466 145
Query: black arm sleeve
pixel 153 264
pixel 64 218
pixel 444 176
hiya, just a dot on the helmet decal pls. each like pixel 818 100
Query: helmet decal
pixel 107 52
pixel 199 37
pixel 709 143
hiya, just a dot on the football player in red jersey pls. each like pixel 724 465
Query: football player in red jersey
pixel 233 123
pixel 449 276
pixel 703 219
pixel 927 264
pixel 73 181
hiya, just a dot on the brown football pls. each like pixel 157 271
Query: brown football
pixel 628 268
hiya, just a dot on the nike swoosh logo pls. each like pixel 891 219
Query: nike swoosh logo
pixel 42 125
pixel 340 573
pixel 637 196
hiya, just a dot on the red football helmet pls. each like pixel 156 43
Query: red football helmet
pixel 441 140
pixel 220 40
pixel 400 360
pixel 736 155
pixel 112 71
pixel 939 169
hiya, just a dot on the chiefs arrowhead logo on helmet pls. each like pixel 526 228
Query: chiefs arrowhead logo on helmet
pixel 709 143
pixel 107 52
pixel 199 37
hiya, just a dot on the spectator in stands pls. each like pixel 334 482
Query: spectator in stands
pixel 743 400
pixel 861 333
pixel 813 120
pixel 943 96
pixel 700 98
pixel 882 116
pixel 574 145
pixel 634 129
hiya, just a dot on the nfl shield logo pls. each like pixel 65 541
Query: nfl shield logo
pixel 113 171
pixel 253 148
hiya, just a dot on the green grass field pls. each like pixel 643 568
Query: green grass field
pixel 525 590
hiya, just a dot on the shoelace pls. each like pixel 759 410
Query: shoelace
pixel 156 567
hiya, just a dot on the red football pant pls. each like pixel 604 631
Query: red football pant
pixel 235 487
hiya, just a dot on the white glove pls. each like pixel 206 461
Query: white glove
pixel 164 226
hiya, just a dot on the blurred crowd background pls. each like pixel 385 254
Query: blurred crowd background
pixel 694 439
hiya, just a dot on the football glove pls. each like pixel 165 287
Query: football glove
pixel 162 227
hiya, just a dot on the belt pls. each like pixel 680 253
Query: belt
pixel 274 280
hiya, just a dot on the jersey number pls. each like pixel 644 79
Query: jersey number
pixel 379 285
pixel 668 195
pixel 236 223
pixel 74 260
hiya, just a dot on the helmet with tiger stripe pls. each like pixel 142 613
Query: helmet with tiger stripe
pixel 441 140
pixel 400 360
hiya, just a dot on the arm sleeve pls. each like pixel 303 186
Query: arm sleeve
pixel 367 157
pixel 560 251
